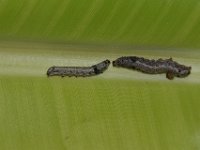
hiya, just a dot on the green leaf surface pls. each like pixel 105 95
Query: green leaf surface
pixel 143 23
pixel 120 109
pixel 117 110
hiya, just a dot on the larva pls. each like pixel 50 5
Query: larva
pixel 168 66
pixel 78 71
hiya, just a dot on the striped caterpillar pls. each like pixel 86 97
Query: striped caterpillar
pixel 168 66
pixel 78 71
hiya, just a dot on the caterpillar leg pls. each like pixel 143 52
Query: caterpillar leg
pixel 170 75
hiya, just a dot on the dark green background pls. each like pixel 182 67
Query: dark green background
pixel 141 23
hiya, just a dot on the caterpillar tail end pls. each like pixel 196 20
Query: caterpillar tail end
pixel 49 71
pixel 114 63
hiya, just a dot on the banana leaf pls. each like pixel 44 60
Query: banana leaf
pixel 118 110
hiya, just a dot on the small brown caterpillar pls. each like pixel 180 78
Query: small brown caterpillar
pixel 78 71
pixel 168 66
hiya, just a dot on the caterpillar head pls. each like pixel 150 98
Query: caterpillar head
pixel 183 72
pixel 101 67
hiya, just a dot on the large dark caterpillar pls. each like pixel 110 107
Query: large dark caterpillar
pixel 168 66
pixel 78 71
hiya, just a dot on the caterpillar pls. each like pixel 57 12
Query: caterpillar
pixel 168 66
pixel 78 71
